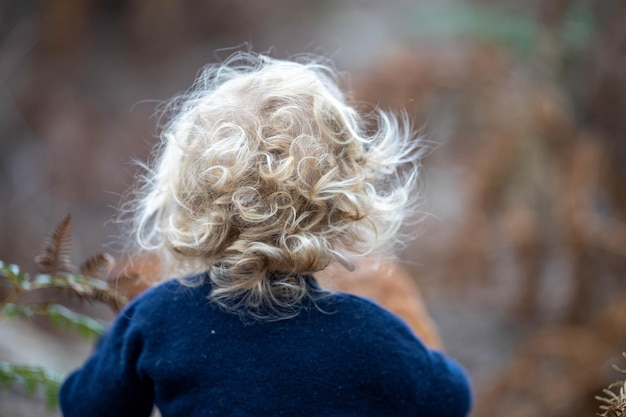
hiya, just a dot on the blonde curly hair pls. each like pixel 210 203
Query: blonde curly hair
pixel 265 174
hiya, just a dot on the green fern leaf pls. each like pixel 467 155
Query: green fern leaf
pixel 12 272
pixel 12 310
pixel 85 325
pixel 32 378
pixel 61 316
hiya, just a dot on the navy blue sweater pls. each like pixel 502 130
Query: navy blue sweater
pixel 173 348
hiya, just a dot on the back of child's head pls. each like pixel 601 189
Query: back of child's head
pixel 266 174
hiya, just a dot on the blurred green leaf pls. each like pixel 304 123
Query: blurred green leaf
pixel 474 21
pixel 12 310
pixel 12 272
pixel 579 26
pixel 59 315
pixel 85 325
pixel 31 378
pixel 523 34
pixel 43 279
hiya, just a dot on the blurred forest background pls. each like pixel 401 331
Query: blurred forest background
pixel 523 257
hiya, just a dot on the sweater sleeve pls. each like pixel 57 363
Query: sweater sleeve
pixel 450 391
pixel 109 384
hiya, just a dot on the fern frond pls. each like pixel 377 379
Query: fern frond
pixel 86 326
pixel 12 272
pixel 59 315
pixel 617 368
pixel 615 400
pixel 54 257
pixel 32 377
pixel 89 289
pixel 82 287
pixel 97 266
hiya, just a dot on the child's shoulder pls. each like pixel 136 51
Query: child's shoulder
pixel 363 306
pixel 369 313
pixel 171 295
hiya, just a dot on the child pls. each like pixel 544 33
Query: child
pixel 266 176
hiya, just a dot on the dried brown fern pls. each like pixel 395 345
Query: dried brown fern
pixel 54 257
pixel 96 290
pixel 97 266
pixel 615 400
pixel 58 273
pixel 90 282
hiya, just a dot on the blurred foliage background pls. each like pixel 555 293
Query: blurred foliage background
pixel 523 256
